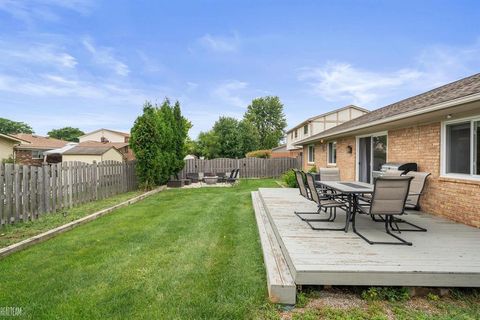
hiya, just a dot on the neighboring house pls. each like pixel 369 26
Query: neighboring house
pixel 7 144
pixel 122 147
pixel 105 135
pixel 439 130
pixel 282 152
pixel 317 124
pixel 31 150
pixel 92 154
pixel 109 137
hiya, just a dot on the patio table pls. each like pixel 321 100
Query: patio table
pixel 352 190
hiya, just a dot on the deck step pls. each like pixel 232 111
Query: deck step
pixel 281 286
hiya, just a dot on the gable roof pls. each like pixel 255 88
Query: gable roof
pixel 326 114
pixel 88 150
pixel 419 103
pixel 93 144
pixel 38 142
pixel 125 134
pixel 11 138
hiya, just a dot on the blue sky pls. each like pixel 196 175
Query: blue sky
pixel 92 64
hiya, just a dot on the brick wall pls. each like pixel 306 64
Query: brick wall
pixel 25 157
pixel 455 199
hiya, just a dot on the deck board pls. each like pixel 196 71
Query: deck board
pixel 447 255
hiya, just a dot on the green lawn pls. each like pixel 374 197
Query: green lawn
pixel 183 254
pixel 13 233
pixel 180 254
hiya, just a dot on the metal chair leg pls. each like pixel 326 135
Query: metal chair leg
pixel 298 214
pixel 417 228
pixel 326 229
pixel 387 230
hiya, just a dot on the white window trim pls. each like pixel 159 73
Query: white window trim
pixel 308 154
pixel 40 151
pixel 328 153
pixel 357 150
pixel 443 150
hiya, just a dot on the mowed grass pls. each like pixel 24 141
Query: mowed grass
pixel 180 254
pixel 17 232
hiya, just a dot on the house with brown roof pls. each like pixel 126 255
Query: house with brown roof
pixel 107 137
pixel 31 150
pixel 315 125
pixel 92 154
pixel 7 143
pixel 439 130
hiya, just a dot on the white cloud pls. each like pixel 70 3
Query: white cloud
pixel 220 43
pixel 104 56
pixel 229 92
pixel 435 66
pixel 342 81
pixel 31 10
pixel 35 54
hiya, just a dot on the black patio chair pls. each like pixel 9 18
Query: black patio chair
pixel 222 176
pixel 234 178
pixel 325 203
pixel 193 176
pixel 388 200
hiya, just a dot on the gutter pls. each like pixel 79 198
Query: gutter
pixel 436 107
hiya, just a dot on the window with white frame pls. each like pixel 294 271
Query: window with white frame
pixel 296 133
pixel 305 129
pixel 332 152
pixel 461 147
pixel 311 153
pixel 37 154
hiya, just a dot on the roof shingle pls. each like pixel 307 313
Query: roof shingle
pixel 458 89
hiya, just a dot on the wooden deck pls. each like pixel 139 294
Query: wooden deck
pixel 448 255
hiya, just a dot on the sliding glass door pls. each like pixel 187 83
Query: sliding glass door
pixel 371 155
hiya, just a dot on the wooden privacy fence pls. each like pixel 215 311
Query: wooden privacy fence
pixel 249 167
pixel 26 192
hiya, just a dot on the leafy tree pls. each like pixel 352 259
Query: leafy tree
pixel 266 114
pixel 13 127
pixel 248 137
pixel 208 145
pixel 67 134
pixel 144 141
pixel 226 129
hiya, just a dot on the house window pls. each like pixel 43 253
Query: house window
pixel 37 154
pixel 305 129
pixel 296 133
pixel 311 154
pixel 462 147
pixel 332 152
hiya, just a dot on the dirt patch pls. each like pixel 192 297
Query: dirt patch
pixel 336 300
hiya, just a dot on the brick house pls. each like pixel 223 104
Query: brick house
pixel 439 130
pixel 31 150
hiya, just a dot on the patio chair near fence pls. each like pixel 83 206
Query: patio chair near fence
pixel 388 200
pixel 193 176
pixel 322 203
pixel 234 178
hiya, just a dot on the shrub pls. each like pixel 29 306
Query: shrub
pixel 313 169
pixel 386 293
pixel 259 154
pixel 289 178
